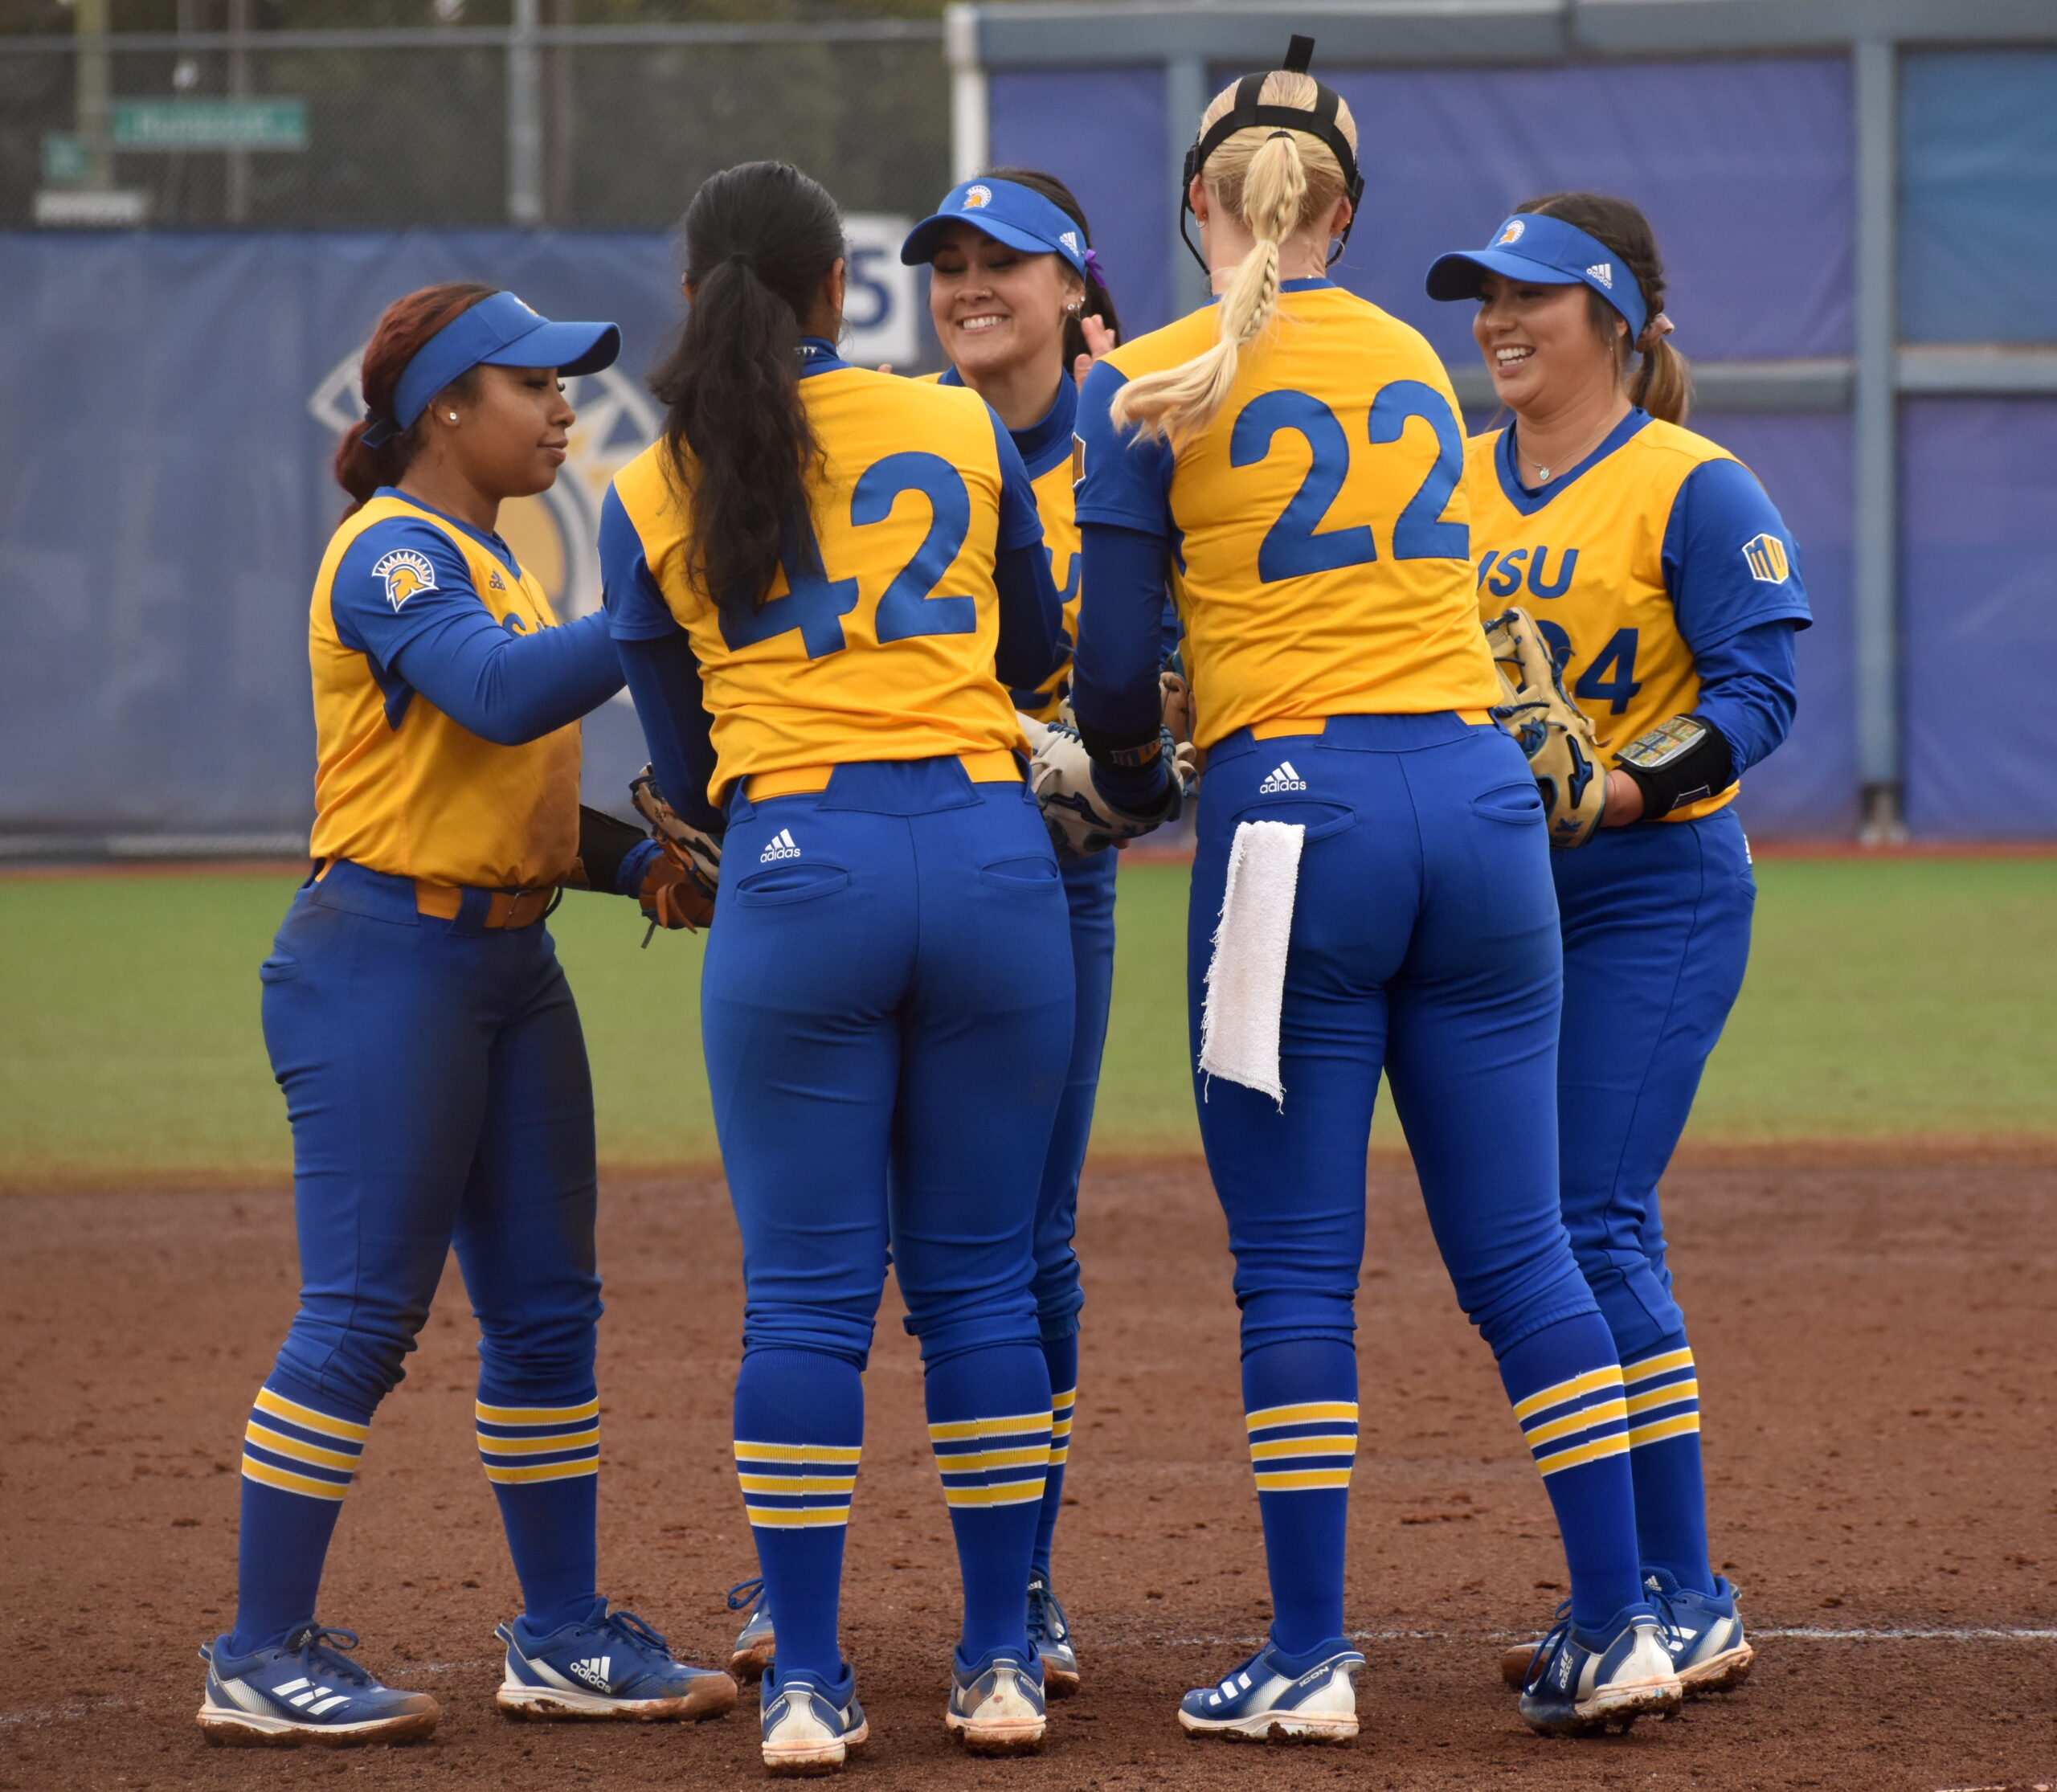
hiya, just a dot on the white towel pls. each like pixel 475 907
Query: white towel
pixel 1247 977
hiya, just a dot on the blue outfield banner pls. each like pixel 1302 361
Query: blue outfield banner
pixel 164 499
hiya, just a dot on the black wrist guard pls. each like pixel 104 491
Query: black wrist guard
pixel 1125 752
pixel 603 843
pixel 1677 762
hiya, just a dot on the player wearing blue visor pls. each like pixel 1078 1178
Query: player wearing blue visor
pixel 1666 589
pixel 429 1049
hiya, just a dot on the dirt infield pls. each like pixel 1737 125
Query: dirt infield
pixel 1880 1381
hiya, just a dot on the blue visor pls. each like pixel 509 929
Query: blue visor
pixel 1548 252
pixel 497 332
pixel 1018 216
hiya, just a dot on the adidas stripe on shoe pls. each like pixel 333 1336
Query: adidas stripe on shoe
pixel 1266 1700
pixel 611 1665
pixel 305 1691
pixel 1703 1634
pixel 1578 1685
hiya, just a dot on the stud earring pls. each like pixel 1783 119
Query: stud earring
pixel 453 417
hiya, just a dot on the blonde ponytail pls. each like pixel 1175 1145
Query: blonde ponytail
pixel 1277 183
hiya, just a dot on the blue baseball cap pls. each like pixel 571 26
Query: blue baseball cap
pixel 1549 252
pixel 499 331
pixel 1018 216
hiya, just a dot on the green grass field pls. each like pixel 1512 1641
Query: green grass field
pixel 1885 997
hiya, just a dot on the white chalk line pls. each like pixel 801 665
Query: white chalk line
pixel 1800 1633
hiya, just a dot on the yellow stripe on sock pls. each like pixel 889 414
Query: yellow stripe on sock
pixel 1013 1493
pixel 1664 1397
pixel 535 1415
pixel 1657 1365
pixel 278 1477
pixel 1592 1379
pixel 1593 1452
pixel 279 1445
pixel 828 1454
pixel 1300 1480
pixel 961 1430
pixel 543 1472
pixel 329 1425
pixel 491 1446
pixel 1664 1428
pixel 797 1484
pixel 1583 1420
pixel 1306 1413
pixel 784 1518
pixel 1322 1444
pixel 1059 1454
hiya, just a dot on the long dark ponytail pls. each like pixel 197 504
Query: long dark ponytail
pixel 1663 385
pixel 404 327
pixel 1099 302
pixel 760 239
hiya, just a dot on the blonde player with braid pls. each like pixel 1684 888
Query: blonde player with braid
pixel 1289 461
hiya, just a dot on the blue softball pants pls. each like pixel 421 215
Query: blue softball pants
pixel 435 1077
pixel 1425 943
pixel 887 1014
pixel 1089 891
pixel 1656 925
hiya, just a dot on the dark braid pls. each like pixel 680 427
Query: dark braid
pixel 1663 385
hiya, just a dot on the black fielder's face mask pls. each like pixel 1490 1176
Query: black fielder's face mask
pixel 1318 121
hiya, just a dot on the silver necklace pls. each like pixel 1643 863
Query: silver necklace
pixel 1544 472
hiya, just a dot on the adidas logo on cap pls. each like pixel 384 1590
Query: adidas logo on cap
pixel 1604 273
pixel 1284 778
pixel 780 846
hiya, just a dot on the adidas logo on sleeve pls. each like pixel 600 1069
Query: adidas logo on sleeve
pixel 780 846
pixel 1285 778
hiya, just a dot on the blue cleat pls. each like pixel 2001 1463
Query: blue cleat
pixel 305 1691
pixel 1049 1636
pixel 1266 1700
pixel 755 1643
pixel 810 1726
pixel 1704 1633
pixel 1578 1685
pixel 996 1703
pixel 611 1665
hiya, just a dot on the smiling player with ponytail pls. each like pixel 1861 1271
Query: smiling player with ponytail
pixel 1290 460
pixel 1665 586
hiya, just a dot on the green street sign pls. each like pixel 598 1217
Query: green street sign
pixel 210 124
pixel 63 159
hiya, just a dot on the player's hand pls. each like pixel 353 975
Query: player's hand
pixel 692 849
pixel 674 896
pixel 1625 801
pixel 1176 714
pixel 1099 340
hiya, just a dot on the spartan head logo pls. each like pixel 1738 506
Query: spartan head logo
pixel 1511 233
pixel 405 571
pixel 977 198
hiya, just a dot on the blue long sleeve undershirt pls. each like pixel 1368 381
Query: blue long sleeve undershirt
pixel 510 688
pixel 1121 645
pixel 664 679
pixel 1749 689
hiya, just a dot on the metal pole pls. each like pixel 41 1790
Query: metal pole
pixel 525 117
pixel 236 199
pixel 1185 98
pixel 971 118
pixel 93 84
pixel 1874 423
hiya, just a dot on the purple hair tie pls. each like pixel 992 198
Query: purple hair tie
pixel 1093 271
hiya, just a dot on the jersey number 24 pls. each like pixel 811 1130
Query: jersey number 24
pixel 816 604
pixel 1296 544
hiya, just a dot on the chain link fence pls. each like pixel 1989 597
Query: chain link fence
pixel 536 113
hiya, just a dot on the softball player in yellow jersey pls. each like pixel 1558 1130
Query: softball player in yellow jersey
pixel 1291 459
pixel 1669 589
pixel 427 1041
pixel 822 581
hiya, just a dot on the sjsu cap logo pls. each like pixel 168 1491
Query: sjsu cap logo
pixel 1511 233
pixel 977 197
pixel 405 571
pixel 1765 556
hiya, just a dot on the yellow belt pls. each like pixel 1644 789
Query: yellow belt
pixel 1281 726
pixel 995 766
pixel 506 908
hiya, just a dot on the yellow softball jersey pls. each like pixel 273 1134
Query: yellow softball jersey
pixel 1318 530
pixel 399 787
pixel 888 653
pixel 1659 542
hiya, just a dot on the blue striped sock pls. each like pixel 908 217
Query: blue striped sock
pixel 1061 1357
pixel 299 1455
pixel 989 1426
pixel 1565 1382
pixel 1663 1392
pixel 1300 1409
pixel 540 1450
pixel 799 1432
